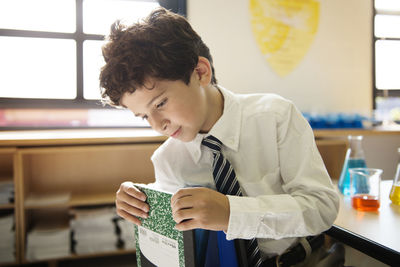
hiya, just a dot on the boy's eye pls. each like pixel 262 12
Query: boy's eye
pixel 144 117
pixel 162 103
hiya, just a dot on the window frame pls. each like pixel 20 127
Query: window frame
pixel 177 6
pixel 375 91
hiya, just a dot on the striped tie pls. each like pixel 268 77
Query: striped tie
pixel 227 184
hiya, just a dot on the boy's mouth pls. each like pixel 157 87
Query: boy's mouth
pixel 176 133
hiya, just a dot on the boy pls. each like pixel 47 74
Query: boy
pixel 162 71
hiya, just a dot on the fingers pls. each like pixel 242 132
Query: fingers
pixel 130 203
pixel 131 190
pixel 200 208
pixel 129 217
pixel 183 202
pixel 186 202
pixel 188 207
pixel 187 225
pixel 182 212
pixel 122 197
pixel 131 209
pixel 182 193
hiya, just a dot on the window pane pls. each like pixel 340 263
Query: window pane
pixel 38 15
pixel 92 63
pixel 387 26
pixel 387 58
pixel 98 15
pixel 387 5
pixel 37 68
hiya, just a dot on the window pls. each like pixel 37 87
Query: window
pixel 50 50
pixel 386 91
pixel 51 57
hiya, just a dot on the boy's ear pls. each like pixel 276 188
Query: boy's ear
pixel 203 71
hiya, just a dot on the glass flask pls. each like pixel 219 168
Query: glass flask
pixel 365 188
pixel 395 192
pixel 354 159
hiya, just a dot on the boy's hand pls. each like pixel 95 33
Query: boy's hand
pixel 130 203
pixel 200 208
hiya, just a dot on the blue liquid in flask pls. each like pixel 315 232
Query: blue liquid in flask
pixel 344 181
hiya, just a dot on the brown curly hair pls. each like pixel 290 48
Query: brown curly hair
pixel 163 46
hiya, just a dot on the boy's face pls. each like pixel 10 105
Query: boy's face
pixel 172 108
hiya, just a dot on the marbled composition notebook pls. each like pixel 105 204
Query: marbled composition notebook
pixel 157 242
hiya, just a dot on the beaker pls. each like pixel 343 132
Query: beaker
pixel 354 159
pixel 395 192
pixel 365 188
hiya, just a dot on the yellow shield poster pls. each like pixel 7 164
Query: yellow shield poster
pixel 284 30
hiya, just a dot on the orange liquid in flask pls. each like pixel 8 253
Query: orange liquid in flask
pixel 364 202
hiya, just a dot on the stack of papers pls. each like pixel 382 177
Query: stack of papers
pixel 49 239
pixel 127 233
pixel 94 230
pixel 6 192
pixel 7 240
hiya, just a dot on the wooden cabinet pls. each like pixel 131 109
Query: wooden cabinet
pixel 87 169
pixel 333 152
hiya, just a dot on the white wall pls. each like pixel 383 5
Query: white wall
pixel 335 75
pixel 381 152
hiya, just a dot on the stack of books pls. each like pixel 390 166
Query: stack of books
pixel 6 192
pixel 94 230
pixel 49 239
pixel 7 240
pixel 127 233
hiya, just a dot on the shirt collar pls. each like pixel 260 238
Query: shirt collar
pixel 226 129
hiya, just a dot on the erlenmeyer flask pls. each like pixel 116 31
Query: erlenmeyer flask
pixel 354 159
pixel 395 192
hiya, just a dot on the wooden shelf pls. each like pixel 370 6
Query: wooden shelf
pixel 8 264
pixel 95 199
pixel 109 253
pixel 334 133
pixel 78 137
pixel 86 256
pixel 77 200
pixel 331 142
pixel 7 206
pixel 81 168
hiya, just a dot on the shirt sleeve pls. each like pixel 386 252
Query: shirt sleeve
pixel 309 204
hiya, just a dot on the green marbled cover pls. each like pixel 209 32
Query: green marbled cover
pixel 160 220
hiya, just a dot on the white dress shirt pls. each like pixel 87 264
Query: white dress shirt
pixel 287 192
